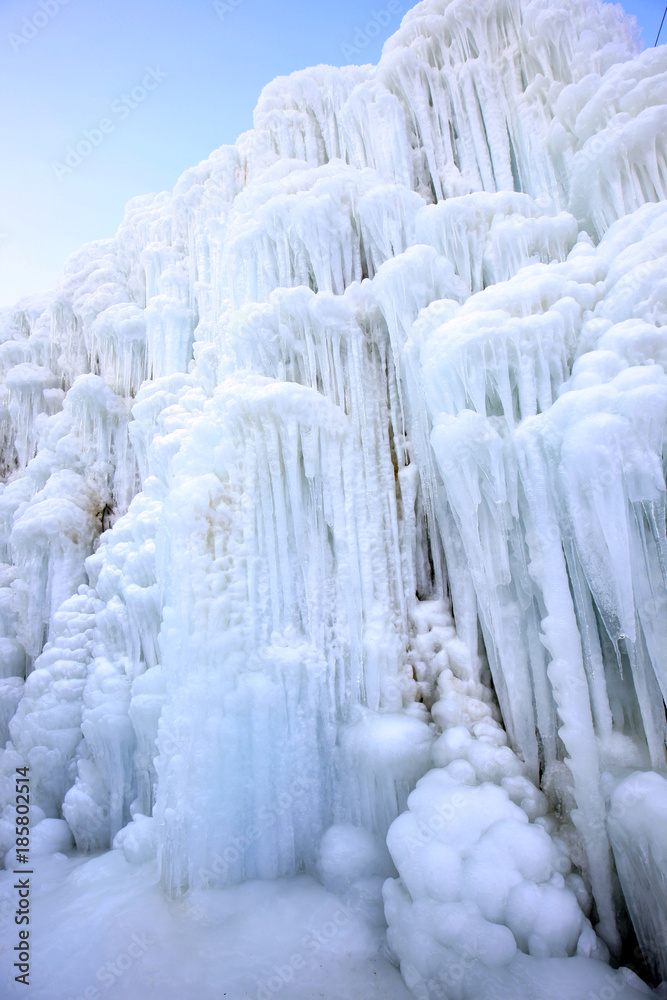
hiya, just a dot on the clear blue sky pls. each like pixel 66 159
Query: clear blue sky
pixel 85 54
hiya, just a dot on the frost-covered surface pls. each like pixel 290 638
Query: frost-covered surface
pixel 334 511
pixel 288 938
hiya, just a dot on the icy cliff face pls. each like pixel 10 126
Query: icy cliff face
pixel 345 463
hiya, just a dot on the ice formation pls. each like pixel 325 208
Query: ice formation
pixel 334 508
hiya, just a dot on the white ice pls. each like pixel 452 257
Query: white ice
pixel 333 513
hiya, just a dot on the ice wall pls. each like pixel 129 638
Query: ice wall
pixel 341 467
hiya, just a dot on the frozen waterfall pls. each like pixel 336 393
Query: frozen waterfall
pixel 334 509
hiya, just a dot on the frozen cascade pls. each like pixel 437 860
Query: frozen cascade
pixel 334 510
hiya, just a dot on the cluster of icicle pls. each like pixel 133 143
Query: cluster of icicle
pixel 345 463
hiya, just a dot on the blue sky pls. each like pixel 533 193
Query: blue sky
pixel 209 66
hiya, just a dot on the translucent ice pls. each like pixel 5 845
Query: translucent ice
pixel 333 508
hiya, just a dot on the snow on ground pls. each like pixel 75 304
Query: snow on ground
pixel 106 925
